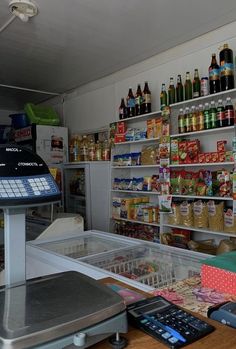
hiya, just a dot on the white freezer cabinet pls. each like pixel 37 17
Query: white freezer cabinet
pixel 141 264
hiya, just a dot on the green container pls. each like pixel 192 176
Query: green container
pixel 41 115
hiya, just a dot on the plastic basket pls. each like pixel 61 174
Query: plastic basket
pixel 41 115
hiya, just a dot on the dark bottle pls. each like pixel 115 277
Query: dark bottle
pixel 181 121
pixel 163 97
pixel 226 68
pixel 229 112
pixel 220 114
pixel 196 85
pixel 147 103
pixel 188 91
pixel 122 110
pixel 130 104
pixel 207 122
pixel 179 90
pixel 138 101
pixel 213 115
pixel 171 92
pixel 214 75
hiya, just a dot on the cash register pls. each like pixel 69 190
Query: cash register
pixel 56 311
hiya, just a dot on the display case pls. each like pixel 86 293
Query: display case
pixel 98 254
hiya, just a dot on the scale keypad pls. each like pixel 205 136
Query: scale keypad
pixel 27 187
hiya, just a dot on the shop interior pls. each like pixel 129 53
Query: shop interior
pixel 117 174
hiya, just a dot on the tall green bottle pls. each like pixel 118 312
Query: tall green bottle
pixel 163 97
pixel 171 92
pixel 179 90
pixel 188 89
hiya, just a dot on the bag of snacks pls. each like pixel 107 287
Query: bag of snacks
pixel 223 183
pixel 229 221
pixel 150 155
pixel 189 182
pixel 215 215
pixel 174 216
pixel 186 214
pixel 175 182
pixel 180 238
pixel 200 214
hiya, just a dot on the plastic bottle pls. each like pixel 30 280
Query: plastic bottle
pixel 226 68
pixel 181 122
pixel 188 119
pixel 220 114
pixel 213 115
pixel 130 104
pixel 214 75
pixel 207 123
pixel 76 153
pixel 105 151
pixel 98 156
pixel 171 92
pixel 91 150
pixel 229 112
pixel 200 117
pixel 84 149
pixel 194 119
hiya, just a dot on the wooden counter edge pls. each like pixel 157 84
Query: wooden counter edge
pixel 223 337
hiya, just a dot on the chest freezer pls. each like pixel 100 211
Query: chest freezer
pixel 139 263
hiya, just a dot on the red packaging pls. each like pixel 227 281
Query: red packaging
pixel 183 152
pixel 219 279
pixel 119 137
pixel 214 157
pixel 201 158
pixel 193 149
pixel 221 157
pixel 207 157
pixel 221 146
pixel 121 127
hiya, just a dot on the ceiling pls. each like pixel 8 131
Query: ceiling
pixel 72 42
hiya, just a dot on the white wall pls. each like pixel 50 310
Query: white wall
pixel 95 105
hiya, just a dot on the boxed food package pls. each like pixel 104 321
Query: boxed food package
pixel 125 208
pixel 182 152
pixel 193 149
pixel 116 204
pixel 174 151
pixel 219 273
pixel 158 128
pixel 121 127
pixel 150 128
pixel 201 158
pixel 221 146
pixel 150 154
pixel 119 137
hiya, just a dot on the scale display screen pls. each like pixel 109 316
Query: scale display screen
pixel 25 178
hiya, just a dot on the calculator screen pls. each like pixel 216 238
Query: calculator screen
pixel 17 161
pixel 153 306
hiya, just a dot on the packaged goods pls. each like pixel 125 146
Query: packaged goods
pixel 164 147
pixel 150 154
pixel 174 151
pixel 155 184
pixel 222 157
pixel 121 127
pixel 137 184
pixel 215 215
pixel 214 157
pixel 224 184
pixel 125 207
pixel 221 145
pixel 147 214
pixel 147 183
pixel 116 205
pixel 140 134
pixel 229 221
pixel 150 128
pixel 174 217
pixel 176 182
pixel 182 152
pixel 189 182
pixel 201 158
pixel 200 214
pixel 119 138
pixel 207 157
pixel 158 128
pixel 165 203
pixel 129 135
pixel 193 149
pixel 180 238
pixel 186 214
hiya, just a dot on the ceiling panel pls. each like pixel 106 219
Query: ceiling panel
pixel 73 42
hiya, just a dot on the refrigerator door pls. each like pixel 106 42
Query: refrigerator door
pixel 78 192
pixel 52 143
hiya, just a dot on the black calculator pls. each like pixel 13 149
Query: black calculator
pixel 167 322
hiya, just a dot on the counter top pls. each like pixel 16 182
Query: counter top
pixel 223 337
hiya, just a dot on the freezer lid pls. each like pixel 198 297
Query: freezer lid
pixel 50 307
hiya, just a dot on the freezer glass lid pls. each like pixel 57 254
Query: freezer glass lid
pixel 57 301
pixel 151 266
pixel 81 246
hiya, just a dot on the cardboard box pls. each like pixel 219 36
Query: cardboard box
pixel 201 158
pixel 158 128
pixel 193 149
pixel 116 205
pixel 125 208
pixel 174 151
pixel 121 127
pixel 183 152
pixel 119 138
pixel 207 157
pixel 150 128
pixel 221 157
pixel 221 146
pixel 214 157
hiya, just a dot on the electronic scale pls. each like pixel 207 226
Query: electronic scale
pixel 56 311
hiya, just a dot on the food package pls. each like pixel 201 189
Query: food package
pixel 174 217
pixel 174 151
pixel 183 152
pixel 150 128
pixel 200 214
pixel 150 154
pixel 189 182
pixel 229 221
pixel 158 127
pixel 116 205
pixel 186 214
pixel 176 182
pixel 180 238
pixel 215 215
pixel 125 207
pixel 193 150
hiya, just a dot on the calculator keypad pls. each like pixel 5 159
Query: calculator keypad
pixel 27 187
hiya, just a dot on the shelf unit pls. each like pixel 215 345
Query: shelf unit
pixel 137 222
pixel 208 140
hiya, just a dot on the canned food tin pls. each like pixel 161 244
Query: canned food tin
pixel 204 86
